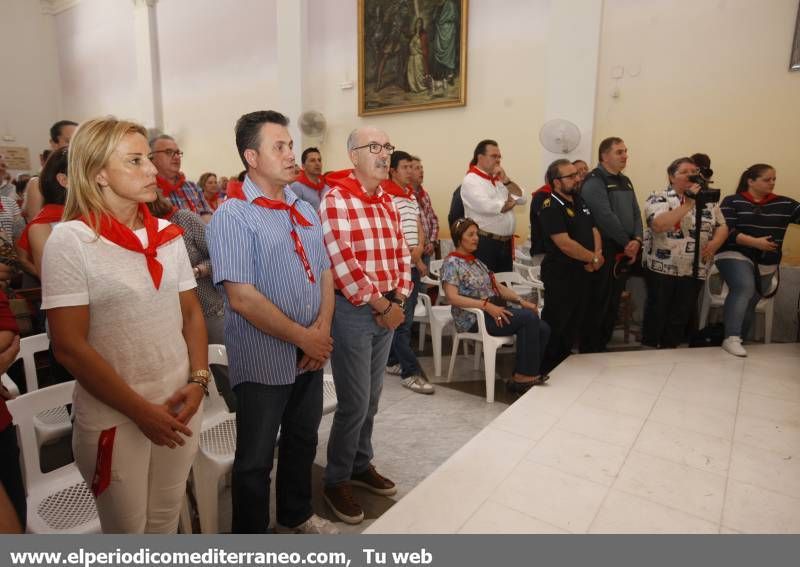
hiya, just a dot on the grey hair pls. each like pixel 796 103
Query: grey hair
pixel 155 139
pixel 352 140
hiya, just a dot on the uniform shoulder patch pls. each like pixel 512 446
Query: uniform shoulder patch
pixel 546 203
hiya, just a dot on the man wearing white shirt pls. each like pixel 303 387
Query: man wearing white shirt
pixel 489 199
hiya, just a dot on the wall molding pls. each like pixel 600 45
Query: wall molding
pixel 53 7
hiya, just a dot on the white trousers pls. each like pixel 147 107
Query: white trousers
pixel 148 481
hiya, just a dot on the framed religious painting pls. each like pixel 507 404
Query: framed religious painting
pixel 412 55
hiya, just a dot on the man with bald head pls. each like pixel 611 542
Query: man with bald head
pixel 371 267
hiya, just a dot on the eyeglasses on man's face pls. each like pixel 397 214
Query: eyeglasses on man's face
pixel 375 148
pixel 169 153
pixel 570 176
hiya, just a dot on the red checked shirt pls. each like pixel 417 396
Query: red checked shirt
pixel 368 253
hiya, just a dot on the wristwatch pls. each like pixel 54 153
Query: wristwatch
pixel 399 301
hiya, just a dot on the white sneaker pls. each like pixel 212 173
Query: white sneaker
pixel 314 525
pixel 394 370
pixel 418 384
pixel 734 346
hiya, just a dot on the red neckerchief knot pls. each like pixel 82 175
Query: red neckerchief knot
pixel 468 257
pixel 113 230
pixel 303 178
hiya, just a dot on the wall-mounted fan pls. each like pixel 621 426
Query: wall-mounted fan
pixel 560 136
pixel 313 124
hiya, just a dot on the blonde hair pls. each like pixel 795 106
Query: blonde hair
pixel 201 182
pixel 89 151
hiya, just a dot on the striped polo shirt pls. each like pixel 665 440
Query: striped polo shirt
pixel 253 245
pixel 768 217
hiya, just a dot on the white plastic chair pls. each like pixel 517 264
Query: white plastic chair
pixel 218 444
pixel 9 385
pixel 712 299
pixel 53 423
pixel 216 450
pixel 437 317
pixel 58 501
pixel 490 346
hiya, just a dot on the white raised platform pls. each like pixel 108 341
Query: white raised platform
pixel 682 441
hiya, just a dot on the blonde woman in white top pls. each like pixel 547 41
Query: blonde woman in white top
pixel 125 321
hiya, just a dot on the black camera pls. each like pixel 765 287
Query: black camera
pixel 706 194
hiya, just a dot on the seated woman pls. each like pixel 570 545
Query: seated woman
pixel 469 283
pixel 757 219
pixel 53 186
pixel 194 237
pixel 125 321
pixel 668 255
pixel 211 189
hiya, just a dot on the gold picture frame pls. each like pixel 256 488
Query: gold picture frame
pixel 794 63
pixel 412 55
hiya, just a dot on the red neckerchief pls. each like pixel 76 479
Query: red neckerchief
pixel 467 257
pixel 477 171
pixel 304 179
pixel 544 189
pixel 113 230
pixel 102 467
pixel 213 202
pixel 394 189
pixel 48 214
pixel 764 201
pixel 296 218
pixel 346 181
pixel 168 188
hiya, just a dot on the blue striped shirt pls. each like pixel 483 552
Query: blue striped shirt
pixel 253 245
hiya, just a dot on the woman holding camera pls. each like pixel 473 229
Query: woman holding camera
pixel 469 283
pixel 668 256
pixel 757 219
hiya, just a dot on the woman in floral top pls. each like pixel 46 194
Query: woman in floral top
pixel 469 283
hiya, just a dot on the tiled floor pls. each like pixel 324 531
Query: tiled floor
pixel 687 441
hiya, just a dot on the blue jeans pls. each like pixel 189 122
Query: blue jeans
pixel 532 336
pixel 260 410
pixel 360 352
pixel 401 351
pixel 740 304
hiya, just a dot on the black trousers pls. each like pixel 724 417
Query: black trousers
pixel 671 303
pixel 603 316
pixel 10 474
pixel 261 410
pixel 570 297
pixel 495 254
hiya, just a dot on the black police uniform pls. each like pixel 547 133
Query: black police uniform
pixel 567 284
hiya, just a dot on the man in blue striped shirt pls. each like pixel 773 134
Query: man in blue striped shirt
pixel 267 252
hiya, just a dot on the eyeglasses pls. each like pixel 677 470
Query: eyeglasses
pixel 375 148
pixel 170 153
pixel 570 176
pixel 459 222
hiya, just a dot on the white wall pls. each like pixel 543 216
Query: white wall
pixel 30 91
pixel 710 76
pixel 97 59
pixel 505 99
pixel 217 63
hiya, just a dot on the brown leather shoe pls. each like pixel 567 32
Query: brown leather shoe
pixel 374 482
pixel 340 498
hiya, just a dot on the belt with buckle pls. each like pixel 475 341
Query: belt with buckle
pixel 494 236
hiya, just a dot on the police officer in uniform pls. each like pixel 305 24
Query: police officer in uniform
pixel 573 256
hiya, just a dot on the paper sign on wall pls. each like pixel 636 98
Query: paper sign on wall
pixel 17 158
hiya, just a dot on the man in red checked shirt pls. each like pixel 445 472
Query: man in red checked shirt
pixel 371 267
